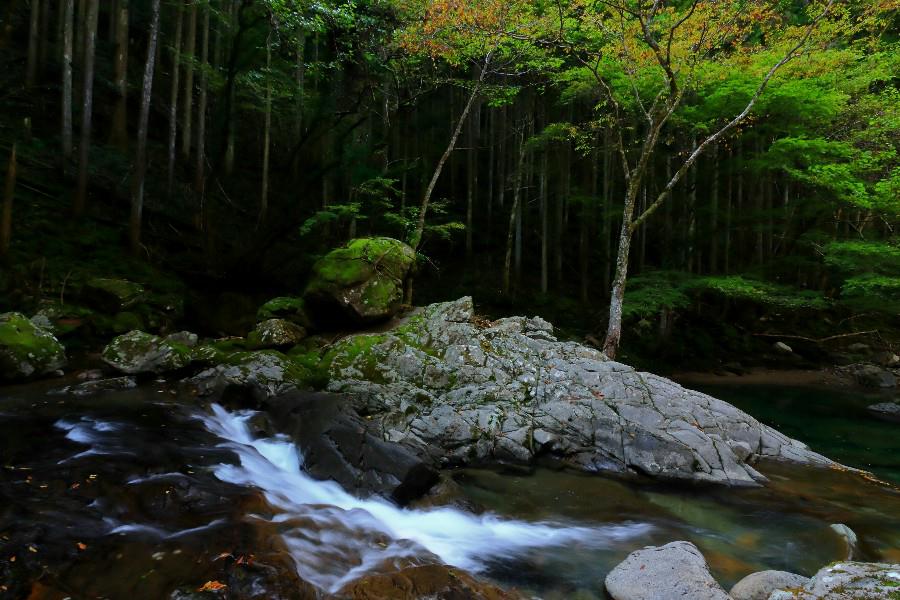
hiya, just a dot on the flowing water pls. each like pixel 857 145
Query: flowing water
pixel 138 493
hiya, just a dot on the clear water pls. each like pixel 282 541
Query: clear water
pixel 104 473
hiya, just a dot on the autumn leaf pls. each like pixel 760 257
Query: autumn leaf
pixel 212 586
pixel 81 546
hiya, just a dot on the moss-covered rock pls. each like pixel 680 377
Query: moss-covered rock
pixel 112 295
pixel 289 308
pixel 275 333
pixel 264 373
pixel 139 352
pixel 216 352
pixel 27 350
pixel 363 281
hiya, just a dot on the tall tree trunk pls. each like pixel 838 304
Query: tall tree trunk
pixel 31 67
pixel 614 328
pixel 173 96
pixel 119 135
pixel 199 169
pixel 714 212
pixel 140 167
pixel 68 19
pixel 300 75
pixel 514 213
pixel 190 43
pixel 545 222
pixel 264 197
pixel 9 191
pixel 87 105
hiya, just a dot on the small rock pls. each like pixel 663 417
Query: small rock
pixel 185 338
pixel 759 586
pixel 888 411
pixel 276 333
pixel 859 348
pixel 886 359
pixel 782 348
pixel 284 307
pixel 676 570
pixel 849 537
pixel 870 375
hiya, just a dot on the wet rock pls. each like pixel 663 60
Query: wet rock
pixel 676 570
pixel 362 282
pixel 886 359
pixel 888 411
pixel 869 375
pixel 337 444
pixel 26 349
pixel 435 582
pixel 849 537
pixel 138 352
pixel 782 348
pixel 470 392
pixel 276 333
pixel 262 374
pixel 112 295
pixel 185 338
pixel 759 586
pixel 848 581
pixel 95 387
pixel 289 308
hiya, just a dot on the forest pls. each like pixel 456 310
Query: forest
pixel 326 211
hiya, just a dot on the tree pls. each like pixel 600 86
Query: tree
pixel 87 105
pixel 118 136
pixel 173 96
pixel 9 190
pixel 33 42
pixel 68 18
pixel 653 42
pixel 140 170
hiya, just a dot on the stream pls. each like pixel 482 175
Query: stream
pixel 147 493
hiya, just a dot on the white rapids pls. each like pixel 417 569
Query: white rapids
pixel 335 537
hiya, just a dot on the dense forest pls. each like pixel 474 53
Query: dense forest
pixel 737 159
pixel 261 261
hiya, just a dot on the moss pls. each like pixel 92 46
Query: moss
pixel 139 352
pixel 112 295
pixel 126 321
pixel 355 351
pixel 289 308
pixel 26 349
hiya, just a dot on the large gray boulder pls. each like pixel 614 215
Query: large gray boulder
pixel 887 411
pixel 848 581
pixel 27 350
pixel 676 570
pixel 473 391
pixel 759 586
pixel 276 333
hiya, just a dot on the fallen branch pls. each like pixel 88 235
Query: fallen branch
pixel 815 340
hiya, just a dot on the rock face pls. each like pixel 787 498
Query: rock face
pixel 26 349
pixel 676 570
pixel 112 295
pixel 759 586
pixel 336 445
pixel 468 391
pixel 848 581
pixel 262 374
pixel 888 411
pixel 362 282
pixel 139 352
pixel 423 582
pixel 276 333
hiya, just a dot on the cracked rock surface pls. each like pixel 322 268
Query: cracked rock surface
pixel 465 391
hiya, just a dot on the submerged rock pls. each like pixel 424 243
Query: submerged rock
pixel 263 374
pixel 138 352
pixel 95 387
pixel 468 391
pixel 27 350
pixel 869 375
pixel 276 333
pixel 423 582
pixel 759 586
pixel 676 570
pixel 362 282
pixel 888 411
pixel 848 581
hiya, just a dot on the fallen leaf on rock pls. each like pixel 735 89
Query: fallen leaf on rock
pixel 212 586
